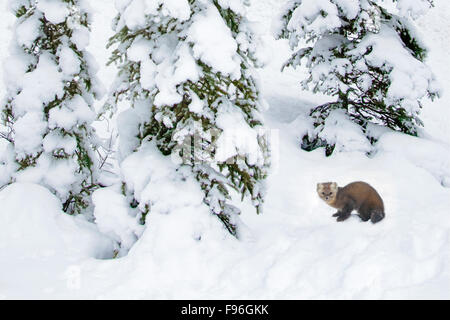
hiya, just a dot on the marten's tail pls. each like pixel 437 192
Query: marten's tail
pixel 376 215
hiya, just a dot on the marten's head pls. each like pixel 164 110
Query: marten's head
pixel 327 191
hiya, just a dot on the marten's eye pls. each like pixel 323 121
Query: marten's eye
pixel 323 193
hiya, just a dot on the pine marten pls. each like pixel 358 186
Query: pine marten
pixel 359 196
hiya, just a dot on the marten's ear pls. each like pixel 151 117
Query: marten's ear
pixel 334 186
pixel 318 186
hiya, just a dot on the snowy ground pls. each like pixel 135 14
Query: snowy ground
pixel 294 250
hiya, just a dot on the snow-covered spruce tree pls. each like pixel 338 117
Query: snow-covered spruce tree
pixel 366 55
pixel 51 87
pixel 187 66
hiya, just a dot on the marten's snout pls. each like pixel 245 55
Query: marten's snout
pixel 326 195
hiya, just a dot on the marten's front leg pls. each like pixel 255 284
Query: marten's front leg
pixel 345 212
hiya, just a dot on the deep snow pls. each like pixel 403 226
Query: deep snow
pixel 294 250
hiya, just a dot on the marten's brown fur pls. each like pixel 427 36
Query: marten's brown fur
pixel 359 196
